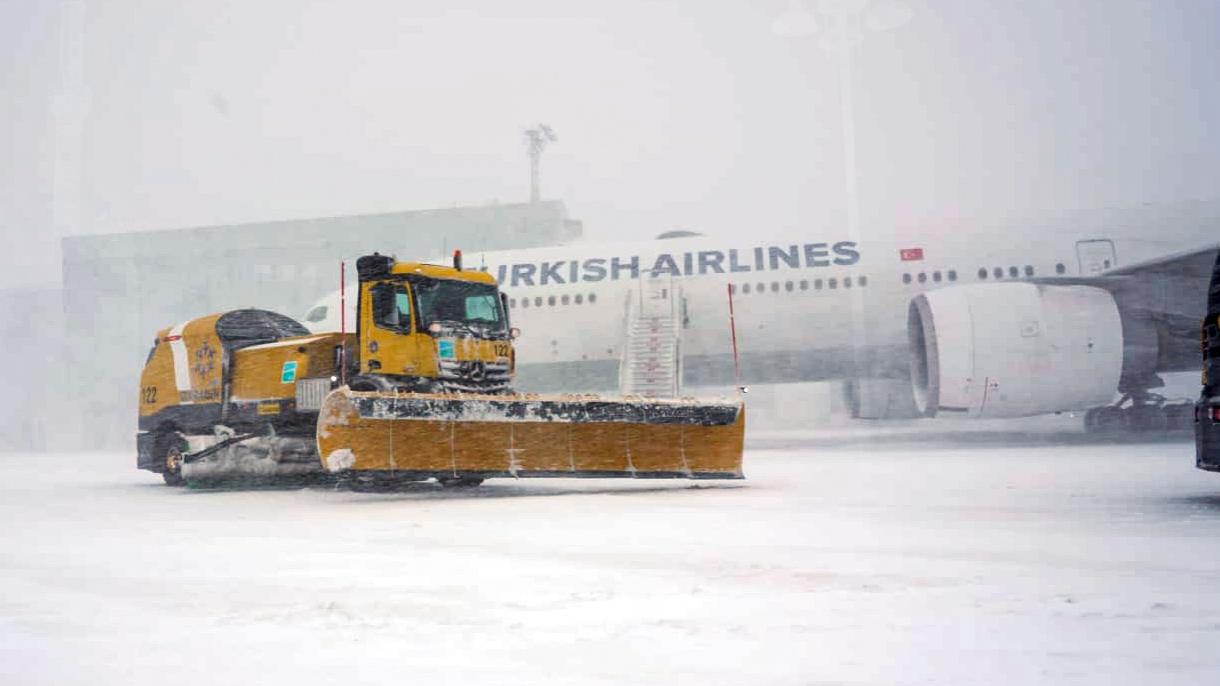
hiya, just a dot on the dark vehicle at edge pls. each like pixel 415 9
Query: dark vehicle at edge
pixel 1207 409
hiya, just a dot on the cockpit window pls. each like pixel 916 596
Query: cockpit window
pixel 317 314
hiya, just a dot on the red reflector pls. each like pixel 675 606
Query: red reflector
pixel 911 254
pixel 170 339
pixel 1216 414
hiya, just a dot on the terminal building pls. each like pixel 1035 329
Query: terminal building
pixel 35 379
pixel 120 289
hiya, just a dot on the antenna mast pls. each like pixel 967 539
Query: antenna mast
pixel 536 140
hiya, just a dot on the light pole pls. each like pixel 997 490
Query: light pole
pixel 536 140
pixel 840 26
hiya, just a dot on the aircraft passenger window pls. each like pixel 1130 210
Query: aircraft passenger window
pixel 982 272
pixel 998 272
pixel 512 302
pixel 788 286
pixel 936 277
pixel 804 284
pixel 317 314
pixel 580 298
pixel 817 284
pixel 1106 264
pixel 525 302
pixel 550 300
pixel 863 281
pixel 847 282
pixel 745 288
pixel 952 275
pixel 906 278
pixel 564 300
pixel 592 298
pixel 775 287
pixel 1059 268
pixel 1029 271
pixel 832 283
pixel 762 287
pixel 922 278
pixel 538 301
pixel 1013 272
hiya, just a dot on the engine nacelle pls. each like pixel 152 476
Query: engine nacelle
pixel 1014 349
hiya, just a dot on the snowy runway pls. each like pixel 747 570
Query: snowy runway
pixel 900 559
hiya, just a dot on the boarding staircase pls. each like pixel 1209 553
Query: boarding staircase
pixel 651 360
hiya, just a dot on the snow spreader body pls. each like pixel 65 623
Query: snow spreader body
pixel 421 390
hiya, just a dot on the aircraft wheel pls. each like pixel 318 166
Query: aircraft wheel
pixel 1103 420
pixel 1180 417
pixel 1145 419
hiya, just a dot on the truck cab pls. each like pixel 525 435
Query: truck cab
pixel 430 328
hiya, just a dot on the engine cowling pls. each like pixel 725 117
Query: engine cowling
pixel 1014 349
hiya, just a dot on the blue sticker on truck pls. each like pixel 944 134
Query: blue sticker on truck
pixel 289 373
pixel 445 350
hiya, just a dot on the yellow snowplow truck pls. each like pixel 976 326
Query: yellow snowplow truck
pixel 421 390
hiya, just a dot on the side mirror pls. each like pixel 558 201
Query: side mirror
pixel 514 332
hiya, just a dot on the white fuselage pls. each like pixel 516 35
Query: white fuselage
pixel 806 308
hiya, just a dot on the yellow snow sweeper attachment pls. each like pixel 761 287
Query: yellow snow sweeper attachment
pixel 422 390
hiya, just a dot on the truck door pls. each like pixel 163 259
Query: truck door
pixel 386 345
pixel 1095 256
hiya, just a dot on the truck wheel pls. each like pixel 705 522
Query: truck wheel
pixel 170 452
pixel 459 481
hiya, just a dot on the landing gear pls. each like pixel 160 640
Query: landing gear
pixel 1140 413
pixel 460 481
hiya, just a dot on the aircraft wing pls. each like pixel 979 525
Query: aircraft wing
pixel 1169 292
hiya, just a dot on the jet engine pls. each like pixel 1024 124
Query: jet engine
pixel 1014 349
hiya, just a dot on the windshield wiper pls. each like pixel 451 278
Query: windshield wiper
pixel 453 324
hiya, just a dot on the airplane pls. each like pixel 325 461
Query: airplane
pixel 913 329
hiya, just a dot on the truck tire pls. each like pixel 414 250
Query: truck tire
pixel 169 453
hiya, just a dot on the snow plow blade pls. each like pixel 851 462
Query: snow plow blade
pixel 421 435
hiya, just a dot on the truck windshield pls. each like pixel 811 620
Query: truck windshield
pixel 460 302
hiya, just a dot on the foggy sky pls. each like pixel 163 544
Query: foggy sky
pixel 130 115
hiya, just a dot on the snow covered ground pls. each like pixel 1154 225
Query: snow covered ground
pixel 982 557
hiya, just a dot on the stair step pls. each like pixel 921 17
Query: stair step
pixel 650 356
